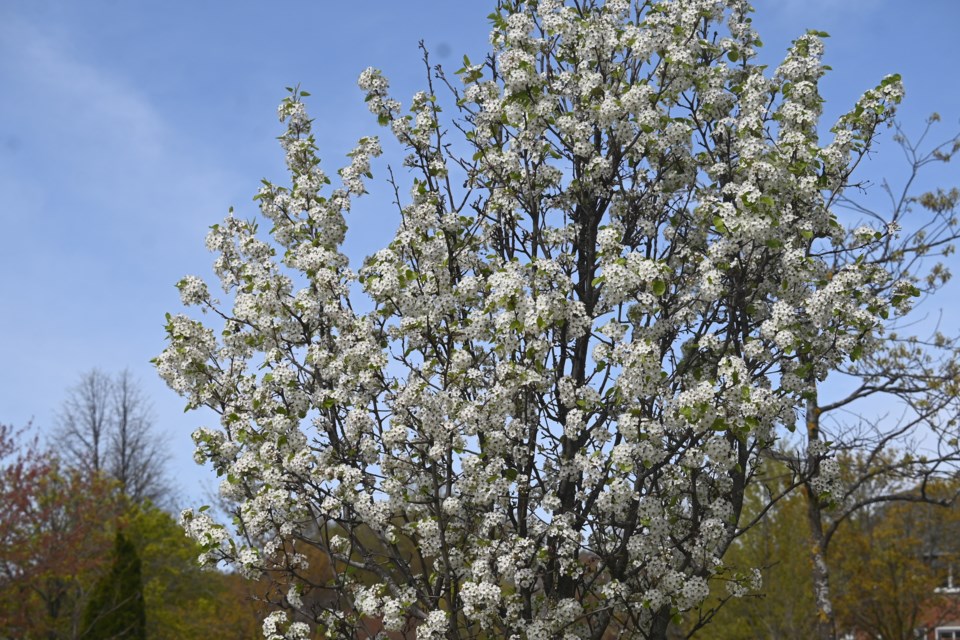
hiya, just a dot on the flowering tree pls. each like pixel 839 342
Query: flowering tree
pixel 610 285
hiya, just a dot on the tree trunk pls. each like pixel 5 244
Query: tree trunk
pixel 826 621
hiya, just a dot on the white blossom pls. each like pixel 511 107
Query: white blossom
pixel 534 412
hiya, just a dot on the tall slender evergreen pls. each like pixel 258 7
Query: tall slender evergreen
pixel 116 609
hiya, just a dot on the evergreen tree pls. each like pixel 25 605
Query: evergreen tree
pixel 116 609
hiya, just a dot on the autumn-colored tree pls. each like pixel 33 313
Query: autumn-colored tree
pixel 52 539
pixel 241 607
pixel 893 565
pixel 20 473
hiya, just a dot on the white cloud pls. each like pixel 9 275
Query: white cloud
pixel 105 200
pixel 75 101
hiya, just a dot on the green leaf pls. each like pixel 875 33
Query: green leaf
pixel 719 225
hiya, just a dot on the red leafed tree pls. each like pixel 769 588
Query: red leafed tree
pixel 53 524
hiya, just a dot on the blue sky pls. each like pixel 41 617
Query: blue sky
pixel 128 128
